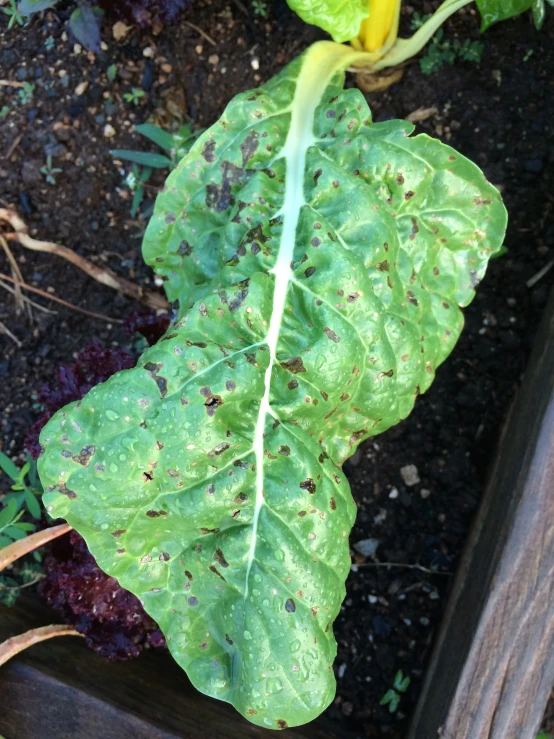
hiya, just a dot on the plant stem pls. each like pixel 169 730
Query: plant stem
pixel 406 48
pixel 18 549
pixel 16 644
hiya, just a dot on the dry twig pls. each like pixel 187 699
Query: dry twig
pixel 44 294
pixel 400 564
pixel 19 302
pixel 38 306
pixel 16 644
pixel 209 39
pixel 7 331
pixel 11 83
pixel 103 275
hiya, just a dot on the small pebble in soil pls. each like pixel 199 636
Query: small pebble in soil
pixel 424 493
pixel 409 474
pixel 109 131
pixel 255 63
pixel 366 547
pixel 393 493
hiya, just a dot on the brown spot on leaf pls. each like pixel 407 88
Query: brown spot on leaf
pixel 208 151
pixel 219 449
pixel 308 485
pixel 290 606
pixel 212 404
pixel 84 456
pixel 294 365
pixel 153 368
pixel 185 249
pixel 216 572
pixel 220 558
pixel 331 335
pixel 249 146
pixel 357 435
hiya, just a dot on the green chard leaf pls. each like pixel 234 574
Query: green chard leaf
pixel 493 11
pixel 319 260
pixel 342 20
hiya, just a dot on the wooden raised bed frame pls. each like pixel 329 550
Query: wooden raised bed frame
pixel 493 662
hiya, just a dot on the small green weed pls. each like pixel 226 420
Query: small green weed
pixel 24 95
pixel 134 96
pixel 23 499
pixel 112 72
pixel 175 144
pixel 49 43
pixel 48 171
pixel 4 112
pixel 135 181
pixel 14 14
pixel 443 51
pixel 260 7
pixel 392 697
pixel 418 19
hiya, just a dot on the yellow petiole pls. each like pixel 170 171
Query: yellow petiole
pixel 375 30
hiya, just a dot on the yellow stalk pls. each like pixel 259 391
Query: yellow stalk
pixel 376 30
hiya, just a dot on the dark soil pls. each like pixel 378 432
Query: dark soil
pixel 498 114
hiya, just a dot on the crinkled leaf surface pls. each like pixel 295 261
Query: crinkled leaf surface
pixel 319 260
pixel 340 18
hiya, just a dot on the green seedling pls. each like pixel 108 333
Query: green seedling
pixel 13 13
pixel 49 171
pixel 393 696
pixel 260 7
pixel 134 96
pixel 135 181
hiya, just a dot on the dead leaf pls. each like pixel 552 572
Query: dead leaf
pixel 377 82
pixel 421 114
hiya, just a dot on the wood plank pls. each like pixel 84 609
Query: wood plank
pixel 62 690
pixel 493 662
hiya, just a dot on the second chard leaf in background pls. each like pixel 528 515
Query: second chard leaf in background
pixel 319 260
